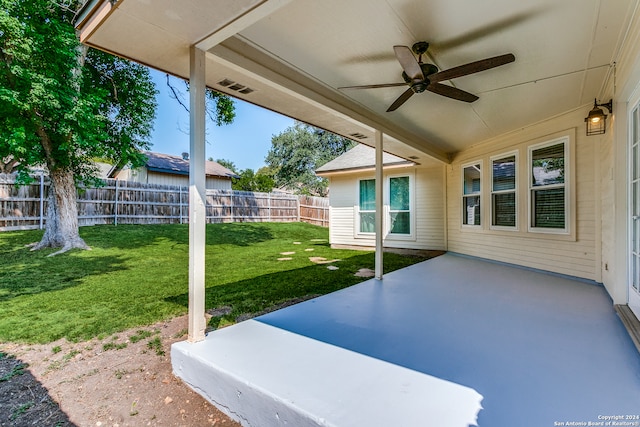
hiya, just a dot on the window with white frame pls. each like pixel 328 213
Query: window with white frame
pixel 503 191
pixel 367 206
pixel 548 198
pixel 399 205
pixel 471 176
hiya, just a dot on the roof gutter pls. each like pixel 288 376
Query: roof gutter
pixel 91 16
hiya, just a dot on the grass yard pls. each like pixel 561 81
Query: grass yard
pixel 137 275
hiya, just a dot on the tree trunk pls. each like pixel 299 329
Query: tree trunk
pixel 61 230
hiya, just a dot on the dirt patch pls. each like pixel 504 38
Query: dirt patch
pixel 24 401
pixel 121 380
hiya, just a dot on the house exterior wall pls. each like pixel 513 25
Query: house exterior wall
pixel 600 249
pixel 142 175
pixel 576 252
pixel 427 209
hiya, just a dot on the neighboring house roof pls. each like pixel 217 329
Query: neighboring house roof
pixel 104 169
pixel 166 163
pixel 360 157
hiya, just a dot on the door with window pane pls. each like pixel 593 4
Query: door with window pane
pixel 634 204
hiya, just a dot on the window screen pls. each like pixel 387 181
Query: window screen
pixel 367 208
pixel 399 206
pixel 503 192
pixel 471 195
pixel 548 190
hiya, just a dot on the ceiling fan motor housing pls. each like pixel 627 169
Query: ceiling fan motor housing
pixel 419 86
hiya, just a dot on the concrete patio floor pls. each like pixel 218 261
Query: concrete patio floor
pixel 434 344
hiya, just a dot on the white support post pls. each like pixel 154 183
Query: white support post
pixel 197 195
pixel 379 206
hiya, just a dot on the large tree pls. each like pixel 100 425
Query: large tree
pixel 63 104
pixel 298 151
pixel 253 181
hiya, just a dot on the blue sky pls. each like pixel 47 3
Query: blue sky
pixel 245 142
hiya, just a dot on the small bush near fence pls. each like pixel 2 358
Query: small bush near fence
pixel 125 202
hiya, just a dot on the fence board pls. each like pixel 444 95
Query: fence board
pixel 124 202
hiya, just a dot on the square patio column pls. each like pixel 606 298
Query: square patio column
pixel 197 195
pixel 379 205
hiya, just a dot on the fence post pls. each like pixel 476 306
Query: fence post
pixel 298 206
pixel 115 208
pixel 232 205
pixel 41 201
pixel 269 206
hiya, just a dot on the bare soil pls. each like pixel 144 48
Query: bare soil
pixel 121 380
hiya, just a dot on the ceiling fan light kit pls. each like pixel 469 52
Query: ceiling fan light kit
pixel 597 120
pixel 422 77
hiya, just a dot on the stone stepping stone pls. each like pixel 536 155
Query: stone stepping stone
pixel 365 272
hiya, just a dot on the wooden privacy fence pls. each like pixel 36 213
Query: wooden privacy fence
pixel 125 202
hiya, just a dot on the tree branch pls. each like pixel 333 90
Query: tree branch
pixel 175 95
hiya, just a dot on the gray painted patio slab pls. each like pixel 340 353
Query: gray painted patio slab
pixel 428 342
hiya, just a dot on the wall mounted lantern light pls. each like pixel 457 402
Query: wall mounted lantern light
pixel 597 120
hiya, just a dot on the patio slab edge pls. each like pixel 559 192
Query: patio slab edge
pixel 264 376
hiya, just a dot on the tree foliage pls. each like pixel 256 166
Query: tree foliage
pixel 62 104
pixel 297 152
pixel 252 181
pixel 227 164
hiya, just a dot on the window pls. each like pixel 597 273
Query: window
pixel 471 194
pixel 398 202
pixel 399 205
pixel 367 206
pixel 548 189
pixel 503 191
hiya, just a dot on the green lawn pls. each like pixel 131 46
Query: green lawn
pixel 137 275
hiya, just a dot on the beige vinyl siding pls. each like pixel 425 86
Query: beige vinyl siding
pixel 427 210
pixel 575 253
pixel 343 199
pixel 213 183
pixel 143 176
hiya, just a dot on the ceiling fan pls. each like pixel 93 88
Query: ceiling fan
pixel 420 76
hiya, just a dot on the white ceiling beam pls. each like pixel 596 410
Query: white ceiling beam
pixel 254 15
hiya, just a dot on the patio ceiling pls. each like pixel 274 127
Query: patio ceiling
pixel 293 55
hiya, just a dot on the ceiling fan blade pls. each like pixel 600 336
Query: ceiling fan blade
pixel 472 67
pixel 451 92
pixel 373 86
pixel 409 63
pixel 401 100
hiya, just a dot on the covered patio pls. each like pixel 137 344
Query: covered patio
pixel 455 338
pixel 434 345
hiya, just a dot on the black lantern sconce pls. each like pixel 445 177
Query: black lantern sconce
pixel 597 120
